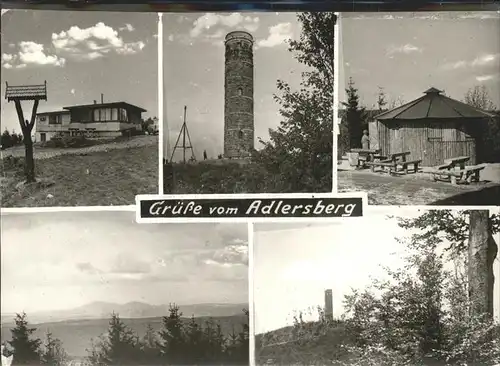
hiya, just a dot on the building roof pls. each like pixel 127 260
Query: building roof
pixel 107 105
pixel 25 92
pixel 434 105
pixel 52 112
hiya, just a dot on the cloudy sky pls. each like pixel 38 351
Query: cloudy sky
pixel 81 55
pixel 295 264
pixel 81 257
pixel 194 71
pixel 406 53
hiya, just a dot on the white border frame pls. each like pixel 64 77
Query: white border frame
pixel 336 121
pixel 251 314
pixel 236 197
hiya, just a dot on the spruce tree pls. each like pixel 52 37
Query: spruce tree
pixel 26 348
pixel 355 117
pixel 53 353
pixel 172 338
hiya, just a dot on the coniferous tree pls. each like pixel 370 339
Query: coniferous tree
pixel 172 338
pixel 119 346
pixel 26 347
pixel 355 117
pixel 149 347
pixel 53 352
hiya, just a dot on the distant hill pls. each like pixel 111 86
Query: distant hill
pixel 76 335
pixel 132 310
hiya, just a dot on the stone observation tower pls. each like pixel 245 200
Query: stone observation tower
pixel 238 95
pixel 328 305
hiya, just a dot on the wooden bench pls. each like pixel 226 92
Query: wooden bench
pixel 415 164
pixel 383 164
pixel 466 175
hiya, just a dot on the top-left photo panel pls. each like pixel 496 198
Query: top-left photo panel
pixel 79 109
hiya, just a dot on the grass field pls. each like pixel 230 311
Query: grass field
pixel 100 178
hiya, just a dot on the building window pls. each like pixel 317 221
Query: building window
pixel 240 91
pixel 110 114
pixel 43 137
pixel 55 119
pixel 240 134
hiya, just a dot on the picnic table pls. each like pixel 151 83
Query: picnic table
pixel 458 161
pixel 449 172
pixel 393 161
pixel 365 155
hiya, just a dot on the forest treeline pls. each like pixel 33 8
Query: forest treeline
pixel 177 343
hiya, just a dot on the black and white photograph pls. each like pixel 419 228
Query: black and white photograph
pixel 95 288
pixel 419 102
pixel 400 286
pixel 79 108
pixel 248 102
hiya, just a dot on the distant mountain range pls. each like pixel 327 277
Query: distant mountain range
pixel 131 310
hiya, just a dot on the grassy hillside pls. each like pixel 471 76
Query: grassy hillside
pixel 310 343
pixel 76 335
pixel 91 179
pixel 215 177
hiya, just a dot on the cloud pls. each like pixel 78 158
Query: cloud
pixel 94 42
pixel 72 91
pixel 127 27
pixel 483 60
pixel 278 34
pixel 214 26
pixel 483 78
pixel 88 268
pixel 234 254
pixel 127 264
pixel 31 53
pixel 406 49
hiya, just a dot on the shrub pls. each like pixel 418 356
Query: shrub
pixel 68 142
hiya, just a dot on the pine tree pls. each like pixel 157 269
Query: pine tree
pixel 119 346
pixel 172 339
pixel 53 352
pixel 381 99
pixel 149 346
pixel 355 117
pixel 26 348
pixel 195 341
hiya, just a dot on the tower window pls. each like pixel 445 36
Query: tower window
pixel 240 134
pixel 240 91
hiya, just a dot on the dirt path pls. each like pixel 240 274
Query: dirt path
pixel 47 153
pixel 389 190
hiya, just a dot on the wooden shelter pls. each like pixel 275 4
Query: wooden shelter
pixel 433 127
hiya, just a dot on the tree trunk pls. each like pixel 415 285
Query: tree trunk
pixel 480 267
pixel 30 161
